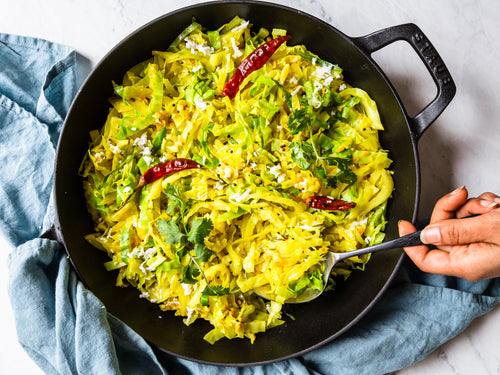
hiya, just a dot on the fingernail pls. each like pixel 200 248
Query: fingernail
pixel 487 203
pixel 430 235
pixel 458 190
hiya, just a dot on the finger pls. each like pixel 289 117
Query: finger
pixel 458 231
pixel 473 262
pixel 445 207
pixel 477 206
pixel 435 261
pixel 414 252
pixel 405 227
pixel 490 196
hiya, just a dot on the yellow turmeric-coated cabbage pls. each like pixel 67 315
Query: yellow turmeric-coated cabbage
pixel 199 241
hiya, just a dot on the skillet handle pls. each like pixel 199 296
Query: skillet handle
pixel 412 34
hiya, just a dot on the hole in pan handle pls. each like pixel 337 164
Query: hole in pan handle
pixel 413 35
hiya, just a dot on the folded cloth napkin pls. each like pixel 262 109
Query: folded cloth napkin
pixel 66 330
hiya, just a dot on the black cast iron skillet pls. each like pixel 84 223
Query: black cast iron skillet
pixel 315 323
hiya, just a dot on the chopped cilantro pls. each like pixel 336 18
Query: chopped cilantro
pixel 189 275
pixel 174 199
pixel 170 230
pixel 299 120
pixel 302 154
pixel 200 228
pixel 202 253
pixel 215 290
pixel 317 152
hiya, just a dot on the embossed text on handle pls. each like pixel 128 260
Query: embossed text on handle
pixel 432 58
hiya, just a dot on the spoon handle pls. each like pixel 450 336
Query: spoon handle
pixel 412 239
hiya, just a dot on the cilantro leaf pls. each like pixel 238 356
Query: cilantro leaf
pixel 202 253
pixel 320 172
pixel 342 163
pixel 299 120
pixel 215 290
pixel 200 228
pixel 174 199
pixel 302 153
pixel 345 175
pixel 348 177
pixel 170 230
pixel 182 250
pixel 189 275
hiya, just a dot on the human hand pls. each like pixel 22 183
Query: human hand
pixel 467 247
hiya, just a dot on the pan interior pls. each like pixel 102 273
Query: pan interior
pixel 315 323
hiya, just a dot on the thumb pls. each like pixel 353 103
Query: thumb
pixel 456 232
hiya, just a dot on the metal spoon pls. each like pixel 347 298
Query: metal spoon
pixel 332 258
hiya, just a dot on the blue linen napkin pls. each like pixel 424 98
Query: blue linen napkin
pixel 66 330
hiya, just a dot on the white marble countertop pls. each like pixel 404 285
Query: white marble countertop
pixel 461 148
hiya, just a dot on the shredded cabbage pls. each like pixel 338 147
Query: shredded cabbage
pixel 199 241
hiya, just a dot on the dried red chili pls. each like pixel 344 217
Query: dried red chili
pixel 254 61
pixel 163 170
pixel 322 202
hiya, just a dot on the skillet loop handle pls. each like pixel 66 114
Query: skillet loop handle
pixel 412 34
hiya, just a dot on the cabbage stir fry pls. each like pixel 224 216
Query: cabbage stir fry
pixel 286 167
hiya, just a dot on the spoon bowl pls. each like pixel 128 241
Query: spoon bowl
pixel 332 258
